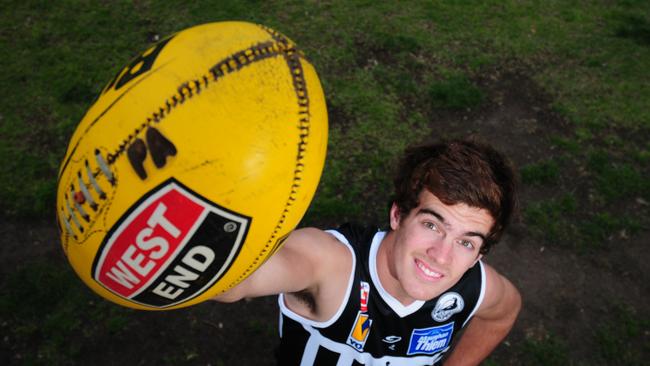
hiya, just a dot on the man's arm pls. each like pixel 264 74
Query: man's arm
pixel 310 261
pixel 490 324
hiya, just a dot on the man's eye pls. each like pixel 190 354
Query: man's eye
pixel 467 244
pixel 431 226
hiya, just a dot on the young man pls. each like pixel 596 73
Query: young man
pixel 361 296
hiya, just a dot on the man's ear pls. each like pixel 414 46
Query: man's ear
pixel 394 216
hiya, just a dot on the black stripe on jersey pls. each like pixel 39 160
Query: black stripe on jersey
pixel 287 353
pixel 325 357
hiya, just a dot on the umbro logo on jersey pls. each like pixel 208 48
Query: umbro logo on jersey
pixel 392 339
pixel 447 305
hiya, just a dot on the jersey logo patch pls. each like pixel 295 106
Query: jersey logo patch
pixel 447 305
pixel 360 331
pixel 365 293
pixel 430 340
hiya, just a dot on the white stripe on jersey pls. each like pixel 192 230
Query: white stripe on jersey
pixel 480 296
pixel 311 349
pixel 345 360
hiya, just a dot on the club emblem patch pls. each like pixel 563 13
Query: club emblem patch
pixel 448 304
pixel 169 248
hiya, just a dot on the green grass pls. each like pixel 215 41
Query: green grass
pixel 455 92
pixel 614 179
pixel 547 351
pixel 560 222
pixel 541 173
pixel 46 311
pixel 385 73
pixel 547 219
pixel 620 340
pixel 601 227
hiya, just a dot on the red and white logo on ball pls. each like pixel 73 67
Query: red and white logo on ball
pixel 169 248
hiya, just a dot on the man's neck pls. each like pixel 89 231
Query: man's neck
pixel 386 271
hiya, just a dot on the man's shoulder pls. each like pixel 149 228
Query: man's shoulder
pixel 357 234
pixel 315 243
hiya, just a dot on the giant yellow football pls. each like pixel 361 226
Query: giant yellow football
pixel 192 166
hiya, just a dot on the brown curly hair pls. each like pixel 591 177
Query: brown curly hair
pixel 459 171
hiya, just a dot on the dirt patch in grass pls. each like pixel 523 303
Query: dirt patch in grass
pixel 579 308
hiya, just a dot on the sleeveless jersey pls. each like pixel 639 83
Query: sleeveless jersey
pixel 373 328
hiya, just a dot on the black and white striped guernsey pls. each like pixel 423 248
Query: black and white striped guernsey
pixel 373 328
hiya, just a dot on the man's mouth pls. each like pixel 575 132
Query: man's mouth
pixel 427 271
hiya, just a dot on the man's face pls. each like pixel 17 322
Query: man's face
pixel 434 245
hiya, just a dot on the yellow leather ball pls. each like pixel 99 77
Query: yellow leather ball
pixel 192 166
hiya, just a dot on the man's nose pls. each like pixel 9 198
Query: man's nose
pixel 440 251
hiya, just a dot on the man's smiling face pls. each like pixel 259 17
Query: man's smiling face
pixel 433 246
